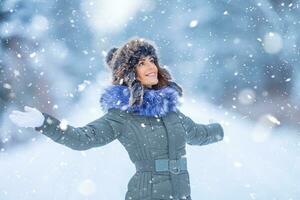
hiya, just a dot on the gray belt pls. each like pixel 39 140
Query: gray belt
pixel 160 165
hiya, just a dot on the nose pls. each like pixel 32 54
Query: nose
pixel 151 64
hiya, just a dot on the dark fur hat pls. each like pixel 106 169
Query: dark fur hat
pixel 122 61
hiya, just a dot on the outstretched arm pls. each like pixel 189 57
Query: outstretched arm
pixel 96 133
pixel 200 134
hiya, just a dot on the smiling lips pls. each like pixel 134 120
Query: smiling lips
pixel 151 74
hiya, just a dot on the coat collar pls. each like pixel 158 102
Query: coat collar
pixel 155 102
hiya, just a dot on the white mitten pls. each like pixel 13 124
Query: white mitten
pixel 30 118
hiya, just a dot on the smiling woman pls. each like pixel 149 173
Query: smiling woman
pixel 141 111
pixel 147 72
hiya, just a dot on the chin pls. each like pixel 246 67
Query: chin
pixel 154 82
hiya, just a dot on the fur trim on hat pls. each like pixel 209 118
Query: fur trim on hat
pixel 155 102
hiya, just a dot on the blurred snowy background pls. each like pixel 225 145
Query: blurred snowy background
pixel 237 61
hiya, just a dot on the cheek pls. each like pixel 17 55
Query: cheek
pixel 156 69
pixel 139 74
pixel 143 78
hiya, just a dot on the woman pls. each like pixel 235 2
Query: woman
pixel 141 112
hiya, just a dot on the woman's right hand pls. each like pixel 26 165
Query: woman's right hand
pixel 30 118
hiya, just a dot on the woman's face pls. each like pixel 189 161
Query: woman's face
pixel 147 72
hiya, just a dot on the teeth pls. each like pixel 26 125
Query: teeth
pixel 151 74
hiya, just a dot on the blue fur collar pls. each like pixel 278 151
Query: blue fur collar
pixel 155 102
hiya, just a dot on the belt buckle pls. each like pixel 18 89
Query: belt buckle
pixel 174 166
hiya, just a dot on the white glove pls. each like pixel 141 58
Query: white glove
pixel 30 118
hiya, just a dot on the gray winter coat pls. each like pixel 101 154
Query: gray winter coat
pixel 146 135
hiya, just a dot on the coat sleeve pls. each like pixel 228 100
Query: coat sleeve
pixel 96 133
pixel 201 134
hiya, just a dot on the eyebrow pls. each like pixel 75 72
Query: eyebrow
pixel 143 59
